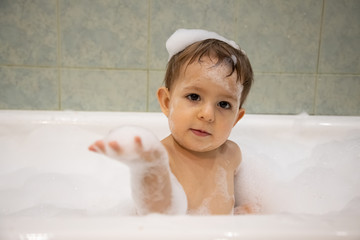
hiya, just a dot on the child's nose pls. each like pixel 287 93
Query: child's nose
pixel 207 113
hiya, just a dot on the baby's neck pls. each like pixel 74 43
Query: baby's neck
pixel 190 154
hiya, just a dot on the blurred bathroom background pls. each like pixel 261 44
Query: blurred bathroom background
pixel 109 55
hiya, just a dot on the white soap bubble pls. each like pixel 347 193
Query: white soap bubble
pixel 183 38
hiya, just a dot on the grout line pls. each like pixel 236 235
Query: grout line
pixel 162 70
pixel 58 59
pixel 27 66
pixel 284 73
pixel 235 19
pixel 310 74
pixel 148 35
pixel 318 58
pixel 103 68
pixel 148 56
pixel 58 33
pixel 320 36
pixel 75 68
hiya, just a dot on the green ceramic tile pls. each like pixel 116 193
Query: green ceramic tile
pixel 96 90
pixel 156 79
pixel 280 35
pixel 126 38
pixel 167 16
pixel 29 88
pixel 338 95
pixel 340 48
pixel 111 34
pixel 281 94
pixel 28 32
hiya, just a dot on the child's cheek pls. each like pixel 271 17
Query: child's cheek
pixel 170 119
pixel 177 113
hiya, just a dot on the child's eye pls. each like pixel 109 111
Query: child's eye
pixel 224 104
pixel 193 97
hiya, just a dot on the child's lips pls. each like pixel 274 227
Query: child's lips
pixel 200 133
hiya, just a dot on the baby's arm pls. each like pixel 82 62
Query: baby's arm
pixel 154 188
pixel 243 204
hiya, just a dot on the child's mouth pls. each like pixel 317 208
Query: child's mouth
pixel 200 133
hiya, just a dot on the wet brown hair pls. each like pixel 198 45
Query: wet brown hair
pixel 212 48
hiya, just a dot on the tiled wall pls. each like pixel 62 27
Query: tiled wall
pixel 110 55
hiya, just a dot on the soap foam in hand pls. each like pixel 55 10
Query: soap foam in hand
pixel 147 158
pixel 128 144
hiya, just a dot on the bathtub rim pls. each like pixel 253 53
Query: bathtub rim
pixel 302 227
pixel 182 227
pixel 78 117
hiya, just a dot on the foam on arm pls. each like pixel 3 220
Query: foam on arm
pixel 245 203
pixel 154 188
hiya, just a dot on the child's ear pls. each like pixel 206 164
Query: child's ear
pixel 163 96
pixel 240 115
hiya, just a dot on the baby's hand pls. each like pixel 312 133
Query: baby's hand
pixel 130 145
pixel 249 208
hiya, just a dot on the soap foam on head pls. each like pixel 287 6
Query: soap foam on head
pixel 183 38
pixel 234 59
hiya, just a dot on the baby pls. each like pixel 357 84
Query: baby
pixel 193 170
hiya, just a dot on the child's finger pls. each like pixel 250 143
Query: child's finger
pixel 98 146
pixel 116 147
pixel 138 142
pixel 92 148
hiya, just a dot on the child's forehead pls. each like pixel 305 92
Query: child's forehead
pixel 208 65
pixel 209 73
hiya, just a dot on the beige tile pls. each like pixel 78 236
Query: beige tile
pixel 111 34
pixel 156 79
pixel 95 90
pixel 340 48
pixel 280 35
pixel 29 88
pixel 28 32
pixel 127 40
pixel 281 94
pixel 338 95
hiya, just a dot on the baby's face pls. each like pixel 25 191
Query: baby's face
pixel 204 105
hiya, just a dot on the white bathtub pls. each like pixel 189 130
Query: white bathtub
pixel 304 170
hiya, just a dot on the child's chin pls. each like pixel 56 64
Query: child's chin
pixel 202 149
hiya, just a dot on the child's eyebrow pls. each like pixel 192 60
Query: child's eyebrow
pixel 192 88
pixel 233 97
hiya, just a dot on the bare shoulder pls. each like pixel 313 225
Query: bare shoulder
pixel 233 153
